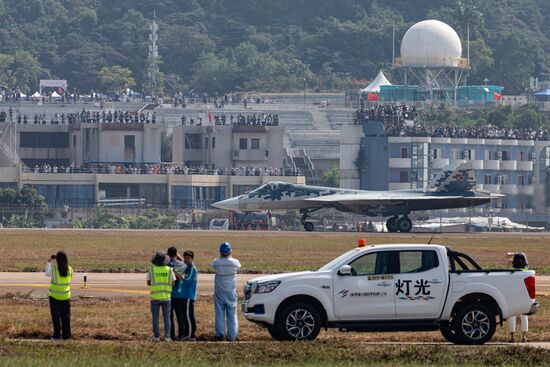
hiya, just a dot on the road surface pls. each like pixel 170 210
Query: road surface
pixel 112 285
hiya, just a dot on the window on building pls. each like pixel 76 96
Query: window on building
pixel 487 179
pixel 435 153
pixel 193 141
pixel 129 148
pixel 213 142
pixel 243 143
pixel 404 152
pixel 454 154
pixel 403 176
pixel 255 144
pixel 505 155
pixel 522 156
pixel 74 141
pixel 521 180
pixel 488 155
pixel 205 143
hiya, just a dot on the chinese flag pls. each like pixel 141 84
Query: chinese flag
pixel 209 117
pixel 372 97
pixel 497 96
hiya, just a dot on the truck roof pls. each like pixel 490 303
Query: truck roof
pixel 400 245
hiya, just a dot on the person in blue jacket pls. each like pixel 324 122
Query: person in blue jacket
pixel 189 293
pixel 177 305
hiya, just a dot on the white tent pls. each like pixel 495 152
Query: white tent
pixel 22 95
pixel 56 95
pixel 36 95
pixel 374 86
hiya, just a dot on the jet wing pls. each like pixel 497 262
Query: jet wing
pixel 373 199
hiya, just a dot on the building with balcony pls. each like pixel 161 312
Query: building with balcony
pixel 226 146
pixel 371 160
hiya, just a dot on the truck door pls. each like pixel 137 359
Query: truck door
pixel 368 292
pixel 420 284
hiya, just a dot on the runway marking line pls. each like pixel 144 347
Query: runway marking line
pixel 92 289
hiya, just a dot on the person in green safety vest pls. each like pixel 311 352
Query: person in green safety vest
pixel 160 279
pixel 518 261
pixel 59 294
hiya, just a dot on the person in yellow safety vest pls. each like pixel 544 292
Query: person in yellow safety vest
pixel 160 279
pixel 59 294
pixel 519 261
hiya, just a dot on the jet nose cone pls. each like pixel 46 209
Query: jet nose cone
pixel 228 204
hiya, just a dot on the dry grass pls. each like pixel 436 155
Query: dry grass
pixel 128 319
pixel 127 251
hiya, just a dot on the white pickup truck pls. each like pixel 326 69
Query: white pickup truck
pixel 392 288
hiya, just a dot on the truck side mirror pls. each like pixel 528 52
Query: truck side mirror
pixel 345 270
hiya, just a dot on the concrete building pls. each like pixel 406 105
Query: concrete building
pixel 226 146
pixel 82 143
pixel 517 168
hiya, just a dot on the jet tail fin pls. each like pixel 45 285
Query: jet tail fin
pixel 460 179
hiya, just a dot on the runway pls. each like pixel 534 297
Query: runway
pixel 113 285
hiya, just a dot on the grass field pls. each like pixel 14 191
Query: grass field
pixel 259 252
pixel 116 332
pixel 318 354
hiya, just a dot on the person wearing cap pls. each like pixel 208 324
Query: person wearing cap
pixel 160 279
pixel 225 294
pixel 519 262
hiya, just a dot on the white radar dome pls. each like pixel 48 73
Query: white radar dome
pixel 431 43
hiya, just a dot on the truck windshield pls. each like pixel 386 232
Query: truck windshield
pixel 334 262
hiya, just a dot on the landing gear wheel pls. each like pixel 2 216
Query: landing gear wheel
pixel 475 324
pixel 391 225
pixel 404 224
pixel 298 321
pixel 309 227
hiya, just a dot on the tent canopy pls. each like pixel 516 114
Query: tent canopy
pixel 374 86
pixel 36 95
pixel 543 93
pixel 55 95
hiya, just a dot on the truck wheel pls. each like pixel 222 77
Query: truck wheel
pixel 273 331
pixel 474 324
pixel 298 321
pixel 448 333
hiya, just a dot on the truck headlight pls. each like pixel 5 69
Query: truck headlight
pixel 267 287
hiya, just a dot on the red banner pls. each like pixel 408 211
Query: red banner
pixel 372 97
pixel 497 96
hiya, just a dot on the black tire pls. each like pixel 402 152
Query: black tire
pixel 274 333
pixel 298 321
pixel 309 226
pixel 448 333
pixel 404 224
pixel 474 324
pixel 391 225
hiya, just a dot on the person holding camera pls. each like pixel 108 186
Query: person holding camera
pixel 59 294
pixel 519 262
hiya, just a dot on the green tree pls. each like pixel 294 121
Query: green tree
pixel 331 178
pixel 116 78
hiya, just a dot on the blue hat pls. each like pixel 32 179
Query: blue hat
pixel 225 248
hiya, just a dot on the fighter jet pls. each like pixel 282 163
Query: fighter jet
pixel 452 189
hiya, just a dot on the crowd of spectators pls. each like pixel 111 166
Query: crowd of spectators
pixel 84 116
pixel 388 114
pixel 261 119
pixel 486 132
pixel 165 169
pixel 219 101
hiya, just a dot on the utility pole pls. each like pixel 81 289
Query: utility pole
pixel 153 55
